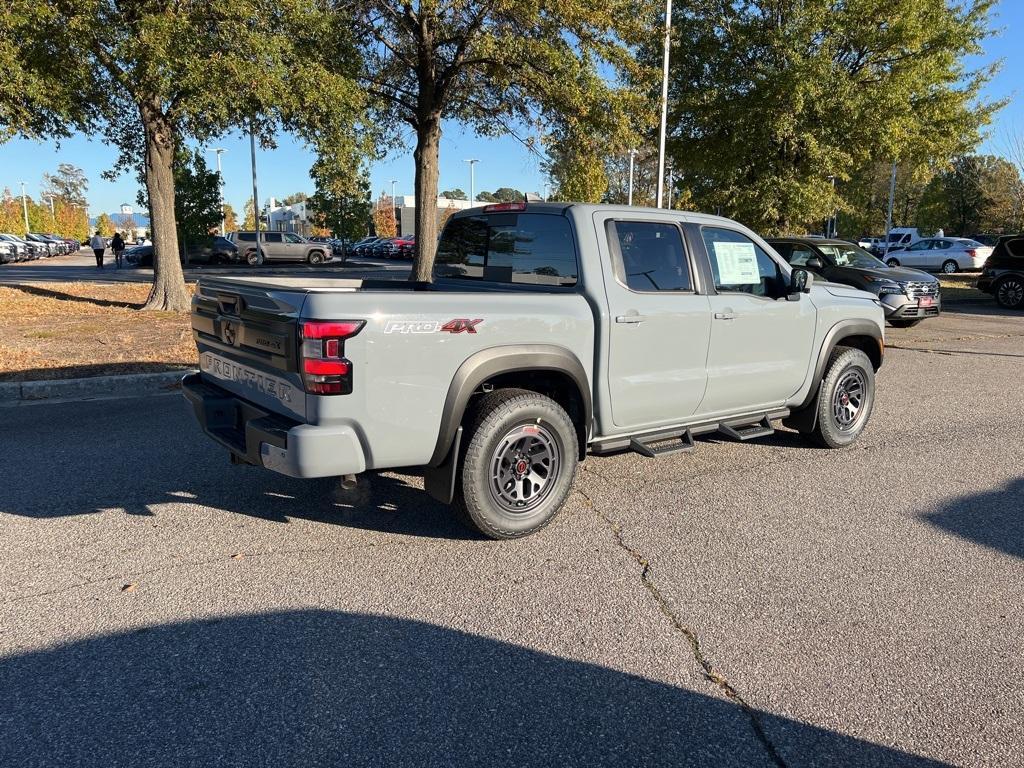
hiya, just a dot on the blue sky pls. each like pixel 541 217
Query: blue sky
pixel 504 162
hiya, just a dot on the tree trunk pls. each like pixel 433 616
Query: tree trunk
pixel 428 140
pixel 169 292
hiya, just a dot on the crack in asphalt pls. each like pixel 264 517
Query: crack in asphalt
pixel 708 670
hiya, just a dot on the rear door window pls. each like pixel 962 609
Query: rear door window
pixel 1016 248
pixel 651 256
pixel 525 248
pixel 247 237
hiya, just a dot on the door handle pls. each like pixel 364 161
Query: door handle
pixel 630 318
pixel 725 315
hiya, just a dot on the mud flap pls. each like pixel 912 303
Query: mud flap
pixel 439 481
pixel 805 419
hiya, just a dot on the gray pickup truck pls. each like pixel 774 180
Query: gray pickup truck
pixel 550 331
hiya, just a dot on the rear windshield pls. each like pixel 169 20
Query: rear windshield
pixel 527 248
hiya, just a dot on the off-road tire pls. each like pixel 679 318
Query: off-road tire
pixel 828 433
pixel 950 267
pixel 905 322
pixel 1008 292
pixel 491 420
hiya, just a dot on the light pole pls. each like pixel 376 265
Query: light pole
pixel 888 215
pixel 664 102
pixel 547 190
pixel 50 198
pixel 472 180
pixel 24 205
pixel 832 221
pixel 255 194
pixel 629 195
pixel 671 181
pixel 220 185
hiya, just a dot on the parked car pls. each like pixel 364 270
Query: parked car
pixel 605 328
pixel 1003 276
pixel 211 250
pixel 364 249
pixel 408 249
pixel 907 295
pixel 945 254
pixel 382 248
pixel 357 248
pixel 867 243
pixel 26 249
pixel 8 254
pixel 902 237
pixel 54 246
pixel 279 246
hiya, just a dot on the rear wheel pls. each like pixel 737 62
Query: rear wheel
pixel 254 258
pixel 1009 292
pixel 518 465
pixel 949 266
pixel 893 262
pixel 845 399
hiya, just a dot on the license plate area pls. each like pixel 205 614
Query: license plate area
pixel 926 301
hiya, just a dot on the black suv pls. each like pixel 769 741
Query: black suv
pixel 1003 275
pixel 907 295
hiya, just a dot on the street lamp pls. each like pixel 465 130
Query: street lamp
pixel 664 101
pixel 472 180
pixel 24 205
pixel 629 198
pixel 835 214
pixel 220 186
pixel 255 194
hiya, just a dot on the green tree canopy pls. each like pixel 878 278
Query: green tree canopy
pixel 147 75
pixel 769 98
pixel 69 184
pixel 498 66
pixel 454 194
pixel 342 198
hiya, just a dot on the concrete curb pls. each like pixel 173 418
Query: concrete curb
pixel 92 388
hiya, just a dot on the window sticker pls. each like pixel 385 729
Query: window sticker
pixel 737 264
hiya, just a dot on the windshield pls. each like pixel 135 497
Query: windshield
pixel 850 256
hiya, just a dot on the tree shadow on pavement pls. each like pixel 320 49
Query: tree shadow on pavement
pixel 316 687
pixel 48 293
pixel 993 519
pixel 94 462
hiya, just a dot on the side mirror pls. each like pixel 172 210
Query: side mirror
pixel 814 263
pixel 800 281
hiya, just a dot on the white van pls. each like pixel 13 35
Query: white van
pixel 901 237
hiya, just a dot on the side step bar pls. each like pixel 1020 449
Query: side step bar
pixel 653 446
pixel 748 432
pixel 680 439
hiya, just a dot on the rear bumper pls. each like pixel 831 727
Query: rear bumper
pixel 269 440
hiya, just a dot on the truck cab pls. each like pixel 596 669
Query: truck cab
pixel 550 331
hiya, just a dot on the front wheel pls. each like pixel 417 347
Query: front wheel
pixel 950 266
pixel 845 399
pixel 1010 292
pixel 254 258
pixel 518 466
pixel 316 257
pixel 893 262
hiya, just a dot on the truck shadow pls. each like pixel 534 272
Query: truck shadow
pixel 96 464
pixel 992 519
pixel 317 687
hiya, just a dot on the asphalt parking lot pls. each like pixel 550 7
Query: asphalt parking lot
pixel 747 604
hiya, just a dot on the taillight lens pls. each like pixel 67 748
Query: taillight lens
pixel 972 253
pixel 325 371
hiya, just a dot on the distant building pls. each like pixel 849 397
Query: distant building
pixel 295 218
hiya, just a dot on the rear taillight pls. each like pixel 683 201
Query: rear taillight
pixel 972 253
pixel 325 371
pixel 498 207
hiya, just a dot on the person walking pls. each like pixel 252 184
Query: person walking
pixel 98 246
pixel 118 245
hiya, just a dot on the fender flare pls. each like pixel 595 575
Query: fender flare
pixel 494 361
pixel 804 417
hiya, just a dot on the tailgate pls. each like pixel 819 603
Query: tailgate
pixel 247 339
